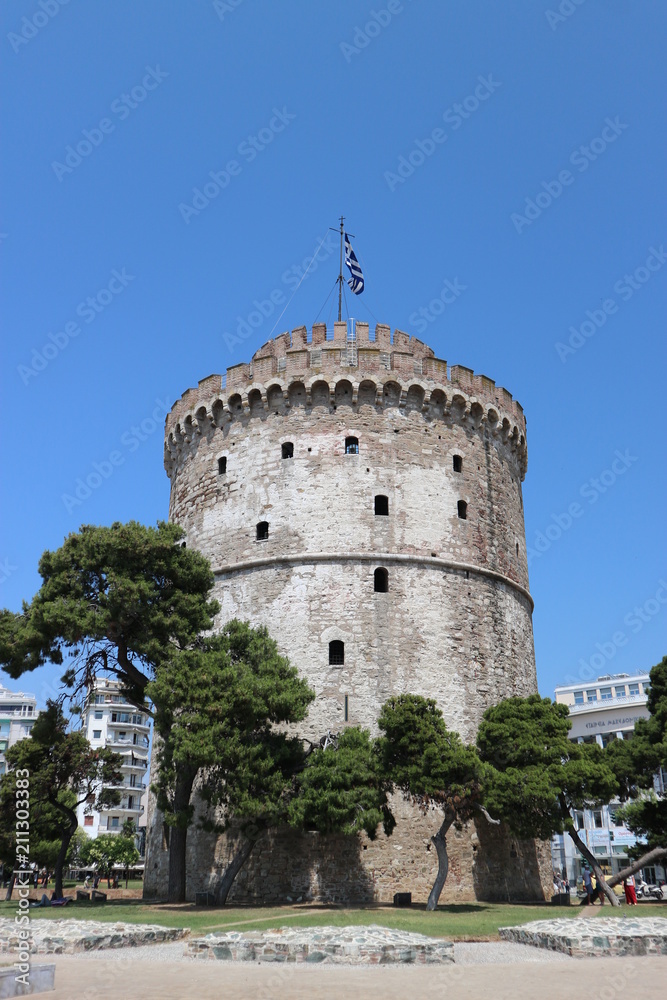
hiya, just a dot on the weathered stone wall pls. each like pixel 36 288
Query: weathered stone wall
pixel 455 623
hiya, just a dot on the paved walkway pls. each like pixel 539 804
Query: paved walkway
pixel 100 978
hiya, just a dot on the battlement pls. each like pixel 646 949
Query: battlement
pixel 374 369
pixel 293 354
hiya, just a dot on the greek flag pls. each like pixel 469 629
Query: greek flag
pixel 356 282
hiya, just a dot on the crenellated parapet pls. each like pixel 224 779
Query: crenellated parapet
pixel 347 370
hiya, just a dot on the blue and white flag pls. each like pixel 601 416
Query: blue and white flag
pixel 356 282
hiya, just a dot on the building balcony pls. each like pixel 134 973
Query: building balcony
pixel 116 741
pixel 123 807
pixel 595 706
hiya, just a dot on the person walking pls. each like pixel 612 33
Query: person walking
pixel 588 886
pixel 629 889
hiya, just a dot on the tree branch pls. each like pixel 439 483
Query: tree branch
pixel 489 819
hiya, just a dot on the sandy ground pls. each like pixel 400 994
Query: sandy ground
pixel 127 975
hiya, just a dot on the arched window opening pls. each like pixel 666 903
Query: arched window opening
pixel 381 580
pixel 287 450
pixel 262 530
pixel 336 653
pixel 462 509
pixel 222 465
pixel 381 506
pixel 351 446
pixel 457 462
pixel 517 548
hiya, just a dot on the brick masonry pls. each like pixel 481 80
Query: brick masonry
pixel 455 623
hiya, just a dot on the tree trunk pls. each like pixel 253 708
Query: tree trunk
pixel 599 877
pixel 233 868
pixel 440 841
pixel 178 836
pixel 8 894
pixel 657 854
pixel 62 853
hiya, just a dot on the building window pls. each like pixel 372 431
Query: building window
pixel 97 734
pixel 462 508
pixel 114 822
pixel 347 709
pixel 620 691
pixel 591 696
pixel 381 506
pixel 222 465
pixel 98 715
pixel 579 820
pixel 380 580
pixel 597 819
pixel 351 446
pixel 457 462
pixel 262 530
pixel 605 694
pixel 336 653
pixel 578 697
pixel 287 450
pixel 87 820
pixel 633 688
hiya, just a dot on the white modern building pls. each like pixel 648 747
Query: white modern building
pixel 601 711
pixel 110 721
pixel 18 712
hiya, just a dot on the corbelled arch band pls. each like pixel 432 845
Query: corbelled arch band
pixel 413 396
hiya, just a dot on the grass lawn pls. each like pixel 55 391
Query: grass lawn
pixel 466 921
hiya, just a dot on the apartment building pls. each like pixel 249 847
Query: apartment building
pixel 601 711
pixel 18 712
pixel 110 721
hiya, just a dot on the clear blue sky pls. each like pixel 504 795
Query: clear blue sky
pixel 169 92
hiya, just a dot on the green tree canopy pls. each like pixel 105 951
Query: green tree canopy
pixel 636 761
pixel 342 788
pixel 63 771
pixel 536 776
pixel 108 850
pixel 217 706
pixel 431 766
pixel 119 600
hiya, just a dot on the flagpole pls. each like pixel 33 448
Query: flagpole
pixel 340 273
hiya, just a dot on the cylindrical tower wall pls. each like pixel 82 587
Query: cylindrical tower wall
pixel 275 482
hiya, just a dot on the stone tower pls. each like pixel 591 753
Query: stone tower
pixel 363 500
